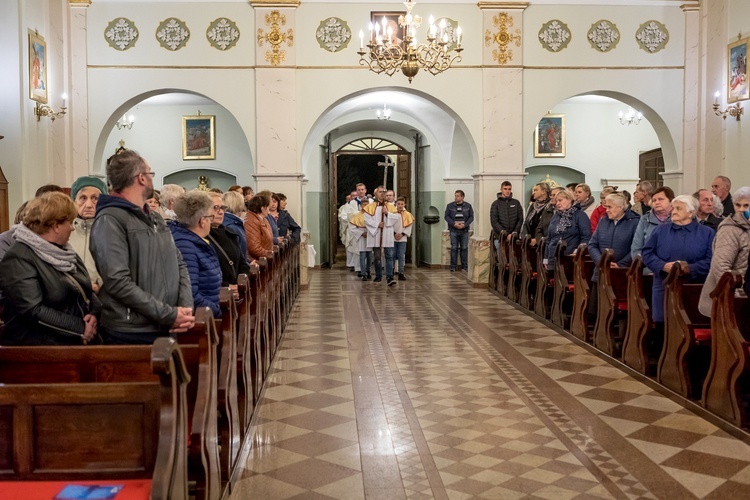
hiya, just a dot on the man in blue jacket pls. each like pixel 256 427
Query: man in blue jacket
pixel 459 215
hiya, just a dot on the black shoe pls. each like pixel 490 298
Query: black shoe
pixel 377 279
pixel 453 270
pixel 359 274
pixel 365 277
pixel 351 268
pixel 401 277
pixel 391 281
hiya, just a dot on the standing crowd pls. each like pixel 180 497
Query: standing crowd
pixel 122 263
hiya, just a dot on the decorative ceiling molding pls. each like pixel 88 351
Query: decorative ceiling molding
pixel 652 36
pixel 172 34
pixel 503 5
pixel 121 33
pixel 333 34
pixel 222 34
pixel 275 3
pixel 555 35
pixel 603 35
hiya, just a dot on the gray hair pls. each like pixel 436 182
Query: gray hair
pixel 646 187
pixel 618 199
pixel 718 206
pixel 191 206
pixel 234 201
pixel 742 193
pixel 169 193
pixel 691 204
pixel 123 168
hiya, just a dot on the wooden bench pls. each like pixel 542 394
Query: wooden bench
pixel 562 294
pixel 726 391
pixel 502 263
pixel 638 351
pixel 494 256
pixel 514 268
pixel 583 268
pixel 228 424
pixel 544 283
pixel 686 354
pixel 529 272
pixel 612 307
pixel 107 432
pixel 263 316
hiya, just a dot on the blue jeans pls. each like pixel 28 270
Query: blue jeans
pixel 460 243
pixel 365 260
pixel 400 247
pixel 388 263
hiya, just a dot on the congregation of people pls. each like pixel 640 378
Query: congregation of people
pixel 708 232
pixel 119 262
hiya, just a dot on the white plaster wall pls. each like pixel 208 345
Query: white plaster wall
pixel 597 144
pixel 157 136
pixel 738 140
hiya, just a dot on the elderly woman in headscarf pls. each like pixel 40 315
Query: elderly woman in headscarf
pixel 47 290
pixel 569 223
pixel 731 247
pixel 682 239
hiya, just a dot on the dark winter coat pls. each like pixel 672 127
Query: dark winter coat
pixel 232 259
pixel 668 243
pixel 618 237
pixel 203 266
pixel 450 216
pixel 579 232
pixel 506 214
pixel 536 225
pixel 42 305
pixel 145 278
pixel 288 226
pixel 237 226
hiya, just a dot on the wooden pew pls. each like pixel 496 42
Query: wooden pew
pixel 583 268
pixel 228 423
pixel 494 255
pixel 502 263
pixel 245 359
pixel 256 333
pixel 529 273
pixel 544 283
pixel 107 432
pixel 562 294
pixel 263 316
pixel 726 391
pixel 637 350
pixel 686 354
pixel 514 268
pixel 612 308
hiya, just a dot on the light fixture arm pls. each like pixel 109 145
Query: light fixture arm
pixel 41 110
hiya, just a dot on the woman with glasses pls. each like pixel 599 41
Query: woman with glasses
pixel 194 211
pixel 257 229
pixel 226 244
pixel 47 290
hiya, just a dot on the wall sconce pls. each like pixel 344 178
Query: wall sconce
pixel 125 122
pixel 734 110
pixel 631 117
pixel 384 114
pixel 41 110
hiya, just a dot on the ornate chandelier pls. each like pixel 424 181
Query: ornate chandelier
pixel 387 53
pixel 632 117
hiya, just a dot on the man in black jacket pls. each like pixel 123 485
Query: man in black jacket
pixel 506 212
pixel 146 289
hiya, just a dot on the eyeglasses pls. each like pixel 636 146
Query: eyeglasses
pixel 223 208
pixel 208 217
pixel 152 174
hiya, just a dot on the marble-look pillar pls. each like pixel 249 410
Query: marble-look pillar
pixel 502 74
pixel 78 110
pixel 692 98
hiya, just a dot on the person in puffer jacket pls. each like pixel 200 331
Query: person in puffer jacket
pixel 615 230
pixel 194 213
pixel 506 212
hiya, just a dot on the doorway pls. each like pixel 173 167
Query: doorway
pixel 369 161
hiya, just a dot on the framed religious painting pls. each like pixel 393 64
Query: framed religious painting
pixel 738 88
pixel 382 22
pixel 37 68
pixel 198 137
pixel 549 137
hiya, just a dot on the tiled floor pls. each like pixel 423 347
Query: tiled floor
pixel 433 389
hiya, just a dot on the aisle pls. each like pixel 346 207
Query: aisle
pixel 433 389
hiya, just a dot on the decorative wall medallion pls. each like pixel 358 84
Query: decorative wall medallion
pixel 450 30
pixel 275 37
pixel 604 35
pixel 503 38
pixel 172 34
pixel 121 34
pixel 652 36
pixel 333 34
pixel 222 34
pixel 554 35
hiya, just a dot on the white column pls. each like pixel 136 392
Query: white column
pixel 78 110
pixel 692 98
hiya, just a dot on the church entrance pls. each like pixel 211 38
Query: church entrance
pixel 373 162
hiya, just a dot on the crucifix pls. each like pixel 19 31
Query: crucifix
pixel 383 210
pixel 385 164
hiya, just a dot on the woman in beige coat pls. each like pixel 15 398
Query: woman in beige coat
pixel 731 247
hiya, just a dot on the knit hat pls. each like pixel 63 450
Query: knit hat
pixel 88 181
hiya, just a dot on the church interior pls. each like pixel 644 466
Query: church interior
pixel 442 386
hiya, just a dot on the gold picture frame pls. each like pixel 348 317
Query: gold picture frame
pixel 198 137
pixel 738 86
pixel 549 137
pixel 38 84
pixel 391 21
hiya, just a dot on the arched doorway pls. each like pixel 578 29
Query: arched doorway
pixel 372 161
